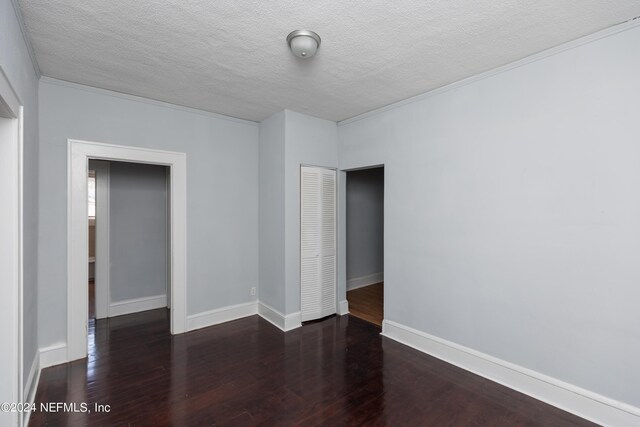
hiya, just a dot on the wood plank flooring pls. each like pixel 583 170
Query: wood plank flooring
pixel 367 303
pixel 335 372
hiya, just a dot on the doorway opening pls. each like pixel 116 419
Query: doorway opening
pixel 172 249
pixel 91 208
pixel 128 218
pixel 365 243
pixel 128 213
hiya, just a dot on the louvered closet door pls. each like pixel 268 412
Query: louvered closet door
pixel 317 242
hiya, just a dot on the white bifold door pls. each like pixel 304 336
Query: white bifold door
pixel 317 242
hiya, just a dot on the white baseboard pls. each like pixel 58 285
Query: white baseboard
pixel 137 305
pixel 285 323
pixel 362 281
pixel 53 355
pixel 581 402
pixel 343 307
pixel 31 386
pixel 221 315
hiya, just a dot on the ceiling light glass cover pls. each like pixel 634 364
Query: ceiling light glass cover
pixel 303 43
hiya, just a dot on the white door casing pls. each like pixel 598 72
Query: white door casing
pixel 102 264
pixel 317 242
pixel 77 228
pixel 11 257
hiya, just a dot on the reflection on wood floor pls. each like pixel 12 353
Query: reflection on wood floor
pixel 338 371
pixel 367 303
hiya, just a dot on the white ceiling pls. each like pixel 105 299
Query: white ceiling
pixel 231 57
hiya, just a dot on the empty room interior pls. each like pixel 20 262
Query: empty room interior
pixel 284 213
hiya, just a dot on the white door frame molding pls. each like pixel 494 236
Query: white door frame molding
pixel 102 255
pixel 11 246
pixel 79 153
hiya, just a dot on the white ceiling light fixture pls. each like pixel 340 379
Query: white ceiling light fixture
pixel 303 43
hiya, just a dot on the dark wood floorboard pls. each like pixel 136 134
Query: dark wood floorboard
pixel 336 372
pixel 367 303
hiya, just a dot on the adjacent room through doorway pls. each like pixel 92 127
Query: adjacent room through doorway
pixel 129 247
pixel 365 243
pixel 91 209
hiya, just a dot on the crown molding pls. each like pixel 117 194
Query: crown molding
pixel 142 99
pixel 615 29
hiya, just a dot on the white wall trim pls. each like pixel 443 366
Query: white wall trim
pixel 221 315
pixel 275 317
pixel 134 98
pixel 343 307
pixel 27 39
pixel 11 244
pixel 136 305
pixel 31 386
pixel 615 29
pixel 362 281
pixel 292 321
pixel 102 268
pixel 52 355
pixel 20 308
pixel 79 153
pixel 581 402
pixel 32 379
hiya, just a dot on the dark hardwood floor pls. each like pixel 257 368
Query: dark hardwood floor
pixel 367 303
pixel 333 372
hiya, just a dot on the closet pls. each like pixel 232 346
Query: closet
pixel 317 242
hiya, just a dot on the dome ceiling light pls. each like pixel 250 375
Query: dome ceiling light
pixel 303 43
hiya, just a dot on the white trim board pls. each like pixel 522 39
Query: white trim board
pixel 101 270
pixel 221 315
pixel 11 246
pixel 31 386
pixel 32 379
pixel 53 355
pixel 581 402
pixel 136 305
pixel 362 281
pixel 79 153
pixel 343 307
pixel 276 318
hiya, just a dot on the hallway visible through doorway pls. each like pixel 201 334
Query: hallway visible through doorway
pixel 367 303
pixel 365 243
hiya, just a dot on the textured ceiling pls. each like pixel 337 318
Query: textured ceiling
pixel 231 57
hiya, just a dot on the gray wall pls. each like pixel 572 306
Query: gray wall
pixel 287 140
pixel 309 141
pixel 222 191
pixel 15 61
pixel 513 213
pixel 365 223
pixel 138 231
pixel 272 211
